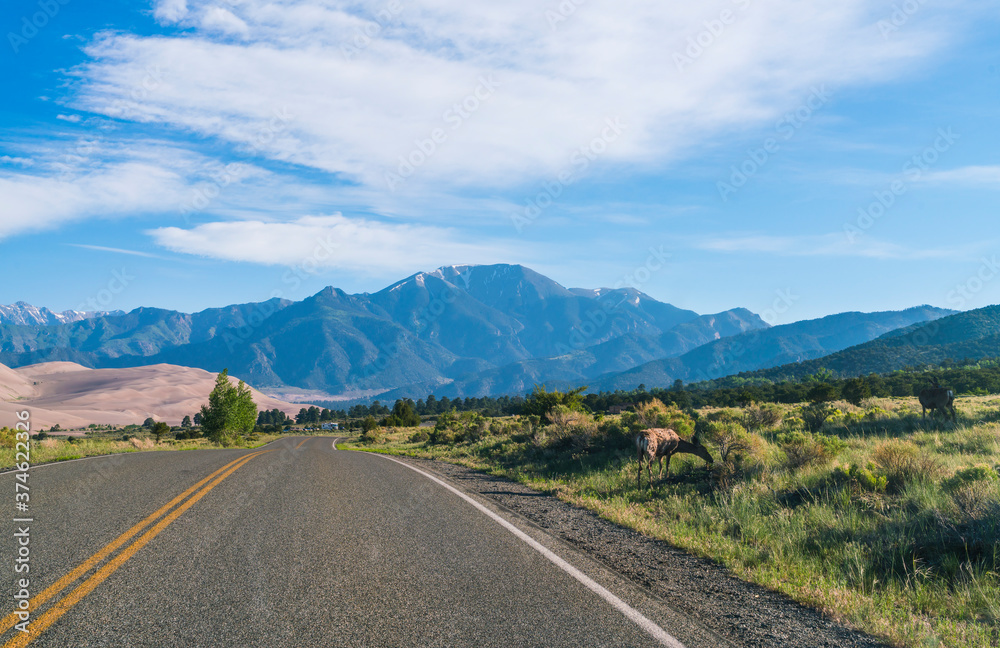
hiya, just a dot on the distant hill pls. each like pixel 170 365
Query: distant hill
pixel 779 345
pixel 972 335
pixel 440 330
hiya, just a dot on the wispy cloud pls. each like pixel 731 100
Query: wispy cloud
pixel 829 245
pixel 979 176
pixel 335 241
pixel 342 72
pixel 101 248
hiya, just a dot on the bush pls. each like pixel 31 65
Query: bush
pixel 372 436
pixel 803 449
pixel 420 436
pixel 979 472
pixel 655 414
pixel 863 478
pixel 761 417
pixel 815 415
pixel 903 462
pixel 569 428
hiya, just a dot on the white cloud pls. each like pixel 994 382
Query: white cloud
pixel 315 242
pixel 368 83
pixel 170 11
pixel 829 245
pixel 36 202
pixel 25 162
pixel 984 176
pixel 217 19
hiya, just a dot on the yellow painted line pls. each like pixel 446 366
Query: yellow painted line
pixel 42 623
pixel 11 619
pixel 300 445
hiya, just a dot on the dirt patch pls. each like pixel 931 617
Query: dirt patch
pixel 745 613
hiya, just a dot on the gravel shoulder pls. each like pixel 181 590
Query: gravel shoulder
pixel 745 613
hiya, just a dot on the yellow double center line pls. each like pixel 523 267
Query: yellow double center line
pixel 40 624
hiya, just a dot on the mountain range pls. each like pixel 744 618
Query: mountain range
pixel 25 314
pixel 456 331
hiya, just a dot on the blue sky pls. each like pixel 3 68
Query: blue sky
pixel 794 160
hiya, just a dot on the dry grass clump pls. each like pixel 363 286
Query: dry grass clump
pixel 142 444
pixel 902 462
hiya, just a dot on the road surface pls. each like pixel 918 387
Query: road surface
pixel 299 544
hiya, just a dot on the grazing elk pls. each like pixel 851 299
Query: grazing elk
pixel 937 398
pixel 657 443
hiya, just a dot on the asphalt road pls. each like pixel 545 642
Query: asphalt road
pixel 303 545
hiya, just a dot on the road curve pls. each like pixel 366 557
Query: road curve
pixel 298 544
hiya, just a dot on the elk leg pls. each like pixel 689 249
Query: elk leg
pixel 668 456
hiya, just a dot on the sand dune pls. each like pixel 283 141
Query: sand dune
pixel 74 396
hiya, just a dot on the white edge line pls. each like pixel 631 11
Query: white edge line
pixel 633 615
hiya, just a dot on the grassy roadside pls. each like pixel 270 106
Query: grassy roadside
pixel 55 449
pixel 884 522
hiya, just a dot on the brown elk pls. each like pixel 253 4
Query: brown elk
pixel 937 398
pixel 657 443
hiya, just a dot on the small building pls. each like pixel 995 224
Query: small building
pixel 331 426
pixel 618 409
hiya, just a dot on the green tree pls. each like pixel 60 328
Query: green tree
pixel 149 423
pixel 186 423
pixel 159 429
pixel 230 413
pixel 540 402
pixel 822 393
pixel 856 390
pixel 403 415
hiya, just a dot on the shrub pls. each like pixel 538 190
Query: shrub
pixel 903 462
pixel 978 501
pixel 7 437
pixel 655 414
pixel 979 472
pixel 863 478
pixel 733 442
pixel 761 417
pixel 815 415
pixel 420 436
pixel 372 436
pixel 802 449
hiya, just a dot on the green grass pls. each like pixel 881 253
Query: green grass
pixel 913 558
